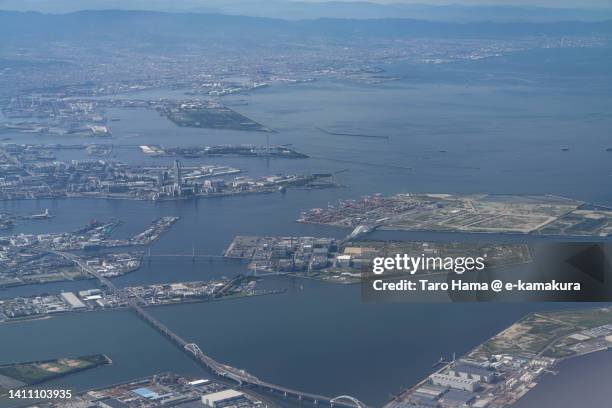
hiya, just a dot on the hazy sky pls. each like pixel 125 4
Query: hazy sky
pixel 548 3
pixel 83 4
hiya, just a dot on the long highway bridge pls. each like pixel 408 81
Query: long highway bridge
pixel 243 378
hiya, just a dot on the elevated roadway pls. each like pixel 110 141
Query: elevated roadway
pixel 243 378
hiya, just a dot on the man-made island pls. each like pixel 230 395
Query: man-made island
pixel 36 307
pixel 350 261
pixel 18 375
pixel 528 214
pixel 34 177
pixel 34 258
pixel 48 151
pixel 504 368
pixel 242 150
pixel 164 390
pixel 207 115
pixel 60 115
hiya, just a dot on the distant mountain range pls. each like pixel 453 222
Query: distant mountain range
pixel 295 10
pixel 92 26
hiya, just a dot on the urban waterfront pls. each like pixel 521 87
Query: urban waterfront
pixel 369 350
pixel 317 336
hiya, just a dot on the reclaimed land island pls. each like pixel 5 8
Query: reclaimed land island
pixel 475 213
pixel 341 261
pixel 35 177
pixel 163 390
pixel 242 150
pixel 38 258
pixel 82 116
pixel 207 115
pixel 18 375
pixel 503 369
pixel 46 305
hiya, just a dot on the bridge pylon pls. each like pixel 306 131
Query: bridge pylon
pixel 193 349
pixel 344 399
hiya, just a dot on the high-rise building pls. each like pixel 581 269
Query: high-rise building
pixel 177 173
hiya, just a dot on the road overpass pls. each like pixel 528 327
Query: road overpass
pixel 360 231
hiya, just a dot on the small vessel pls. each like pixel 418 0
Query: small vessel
pixel 41 216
